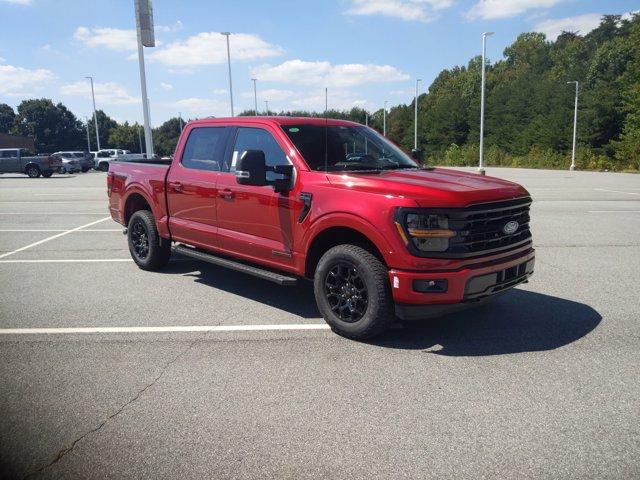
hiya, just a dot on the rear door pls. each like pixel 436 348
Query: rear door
pixel 9 161
pixel 191 186
pixel 255 222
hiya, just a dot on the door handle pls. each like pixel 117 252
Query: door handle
pixel 176 186
pixel 227 193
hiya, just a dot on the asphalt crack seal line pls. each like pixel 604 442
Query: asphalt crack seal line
pixel 62 453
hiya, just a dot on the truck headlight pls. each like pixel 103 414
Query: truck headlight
pixel 427 232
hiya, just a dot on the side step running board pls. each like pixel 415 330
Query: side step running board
pixel 240 267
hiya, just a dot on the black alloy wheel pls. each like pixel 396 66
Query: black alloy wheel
pixel 346 292
pixel 140 240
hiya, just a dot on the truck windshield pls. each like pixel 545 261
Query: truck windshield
pixel 341 148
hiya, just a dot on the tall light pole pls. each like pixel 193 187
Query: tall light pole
pixel 146 38
pixel 226 34
pixel 95 115
pixel 266 104
pixel 140 139
pixel 415 117
pixel 255 94
pixel 88 140
pixel 180 118
pixel 484 53
pixel 384 119
pixel 575 128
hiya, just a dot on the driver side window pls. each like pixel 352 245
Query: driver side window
pixel 259 139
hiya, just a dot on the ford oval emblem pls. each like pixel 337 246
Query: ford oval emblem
pixel 510 227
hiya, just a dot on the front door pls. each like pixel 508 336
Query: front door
pixel 255 222
pixel 191 187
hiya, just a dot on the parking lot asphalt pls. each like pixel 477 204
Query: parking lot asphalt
pixel 542 383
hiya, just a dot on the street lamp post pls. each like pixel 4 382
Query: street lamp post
pixel 226 34
pixel 575 128
pixel 140 139
pixel 415 117
pixel 180 118
pixel 95 115
pixel 255 94
pixel 484 53
pixel 86 119
pixel 266 104
pixel 384 119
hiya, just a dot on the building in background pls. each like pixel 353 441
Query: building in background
pixel 16 141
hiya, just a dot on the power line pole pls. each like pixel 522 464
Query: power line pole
pixel 88 140
pixel 415 117
pixel 384 119
pixel 255 94
pixel 575 128
pixel 484 52
pixel 95 115
pixel 226 34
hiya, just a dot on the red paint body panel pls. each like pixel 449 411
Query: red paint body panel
pixel 212 211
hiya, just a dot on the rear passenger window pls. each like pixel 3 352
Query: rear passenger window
pixel 203 148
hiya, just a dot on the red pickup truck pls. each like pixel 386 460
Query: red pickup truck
pixel 287 199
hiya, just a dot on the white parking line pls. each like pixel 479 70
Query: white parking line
pixel 53 213
pixel 71 260
pixel 615 191
pixel 53 237
pixel 177 328
pixel 613 211
pixel 62 230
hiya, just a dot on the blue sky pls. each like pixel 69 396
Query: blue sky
pixel 364 51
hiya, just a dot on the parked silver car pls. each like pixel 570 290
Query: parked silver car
pixel 70 163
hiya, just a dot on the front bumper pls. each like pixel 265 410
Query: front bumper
pixel 459 289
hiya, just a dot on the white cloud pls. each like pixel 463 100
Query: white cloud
pixel 166 86
pixel 271 94
pixel 327 75
pixel 19 81
pixel 176 27
pixel 3 60
pixel 410 10
pixel 201 106
pixel 580 23
pixel 209 48
pixel 220 91
pixel 19 2
pixel 338 99
pixel 491 9
pixel 108 93
pixel 116 39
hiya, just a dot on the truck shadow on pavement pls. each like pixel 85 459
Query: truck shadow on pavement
pixel 519 321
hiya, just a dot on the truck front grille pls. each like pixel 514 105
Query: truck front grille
pixel 480 228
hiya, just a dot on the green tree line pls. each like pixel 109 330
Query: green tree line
pixel 529 108
pixel 54 127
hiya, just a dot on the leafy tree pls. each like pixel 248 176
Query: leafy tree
pixel 126 136
pixel 53 127
pixel 165 137
pixel 105 125
pixel 7 116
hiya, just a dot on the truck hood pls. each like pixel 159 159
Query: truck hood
pixel 440 187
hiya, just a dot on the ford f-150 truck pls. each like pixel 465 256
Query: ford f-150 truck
pixel 286 199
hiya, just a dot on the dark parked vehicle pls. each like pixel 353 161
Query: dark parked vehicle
pixel 21 160
pixel 85 159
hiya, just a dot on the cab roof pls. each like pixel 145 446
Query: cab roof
pixel 274 120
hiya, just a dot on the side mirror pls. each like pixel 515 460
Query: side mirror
pixel 251 169
pixel 417 155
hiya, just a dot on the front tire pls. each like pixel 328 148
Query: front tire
pixel 148 250
pixel 33 171
pixel 352 291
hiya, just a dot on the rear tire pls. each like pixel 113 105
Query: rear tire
pixel 33 171
pixel 147 248
pixel 47 174
pixel 103 167
pixel 352 291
